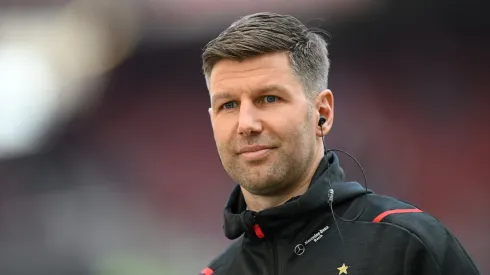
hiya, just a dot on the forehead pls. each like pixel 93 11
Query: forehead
pixel 263 70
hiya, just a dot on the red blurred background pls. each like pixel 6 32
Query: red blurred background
pixel 131 183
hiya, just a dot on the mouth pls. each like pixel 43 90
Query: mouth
pixel 255 152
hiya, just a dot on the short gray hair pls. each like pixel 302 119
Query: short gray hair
pixel 265 32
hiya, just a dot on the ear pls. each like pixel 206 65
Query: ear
pixel 324 107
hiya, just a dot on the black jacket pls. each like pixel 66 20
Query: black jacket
pixel 390 237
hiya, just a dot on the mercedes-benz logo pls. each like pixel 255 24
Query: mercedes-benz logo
pixel 299 249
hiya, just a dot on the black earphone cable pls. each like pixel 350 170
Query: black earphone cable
pixel 331 191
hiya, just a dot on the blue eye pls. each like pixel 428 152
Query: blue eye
pixel 229 105
pixel 270 99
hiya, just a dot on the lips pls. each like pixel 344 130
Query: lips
pixel 253 148
pixel 255 153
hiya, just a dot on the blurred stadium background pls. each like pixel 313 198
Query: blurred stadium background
pixel 107 160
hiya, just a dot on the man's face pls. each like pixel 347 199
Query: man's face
pixel 263 123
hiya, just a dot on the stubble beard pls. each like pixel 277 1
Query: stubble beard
pixel 286 170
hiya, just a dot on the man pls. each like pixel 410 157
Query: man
pixel 292 212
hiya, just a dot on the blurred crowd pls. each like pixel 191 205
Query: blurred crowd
pixel 107 158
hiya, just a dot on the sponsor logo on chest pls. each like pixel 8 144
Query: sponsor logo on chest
pixel 301 248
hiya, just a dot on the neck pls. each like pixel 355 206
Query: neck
pixel 258 203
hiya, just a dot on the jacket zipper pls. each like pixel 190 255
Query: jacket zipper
pixel 275 257
pixel 260 234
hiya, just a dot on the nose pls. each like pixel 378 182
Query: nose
pixel 248 120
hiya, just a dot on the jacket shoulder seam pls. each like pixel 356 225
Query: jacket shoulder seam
pixel 412 234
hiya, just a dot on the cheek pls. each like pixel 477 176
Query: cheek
pixel 223 131
pixel 300 132
pixel 289 124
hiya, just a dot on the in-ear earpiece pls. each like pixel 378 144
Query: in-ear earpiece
pixel 321 121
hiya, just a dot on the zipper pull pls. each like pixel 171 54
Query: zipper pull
pixel 258 230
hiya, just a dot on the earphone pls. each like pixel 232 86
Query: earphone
pixel 321 122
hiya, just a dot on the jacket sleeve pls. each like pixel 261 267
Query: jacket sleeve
pixel 434 250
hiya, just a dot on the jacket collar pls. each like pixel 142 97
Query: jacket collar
pixel 238 220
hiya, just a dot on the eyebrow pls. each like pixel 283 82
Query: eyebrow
pixel 262 90
pixel 273 87
pixel 220 96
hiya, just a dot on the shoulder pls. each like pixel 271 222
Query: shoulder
pixel 406 216
pixel 431 234
pixel 223 261
pixel 390 210
pixel 386 209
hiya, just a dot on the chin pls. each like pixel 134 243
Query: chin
pixel 263 187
